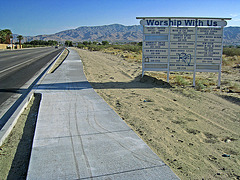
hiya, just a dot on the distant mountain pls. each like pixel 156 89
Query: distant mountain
pixel 118 33
pixel 231 36
pixel 111 33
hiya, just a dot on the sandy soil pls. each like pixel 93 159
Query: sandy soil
pixel 190 130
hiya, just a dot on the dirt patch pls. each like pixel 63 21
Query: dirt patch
pixel 189 129
pixel 16 150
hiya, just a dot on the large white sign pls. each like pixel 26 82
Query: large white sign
pixel 182 44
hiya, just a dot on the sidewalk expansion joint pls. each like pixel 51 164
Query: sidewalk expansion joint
pixel 107 132
pixel 122 172
pixel 80 112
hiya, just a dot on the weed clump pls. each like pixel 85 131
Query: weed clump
pixel 181 81
pixel 199 85
pixel 231 51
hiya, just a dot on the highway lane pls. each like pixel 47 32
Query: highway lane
pixel 17 68
pixel 11 60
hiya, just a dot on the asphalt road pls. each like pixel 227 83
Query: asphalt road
pixel 18 67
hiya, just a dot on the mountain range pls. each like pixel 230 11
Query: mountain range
pixel 111 33
pixel 118 33
pixel 231 36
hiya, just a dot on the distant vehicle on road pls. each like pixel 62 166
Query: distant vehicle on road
pixel 56 47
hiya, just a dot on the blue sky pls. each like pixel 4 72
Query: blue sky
pixel 35 17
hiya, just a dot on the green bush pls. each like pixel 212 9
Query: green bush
pixel 81 46
pixel 105 45
pixel 31 46
pixel 231 51
pixel 128 47
pixel 94 47
pixel 181 81
pixel 199 85
pixel 105 42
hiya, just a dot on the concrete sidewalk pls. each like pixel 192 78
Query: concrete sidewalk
pixel 78 136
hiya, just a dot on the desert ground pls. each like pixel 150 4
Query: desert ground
pixel 195 131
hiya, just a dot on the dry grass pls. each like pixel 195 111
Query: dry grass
pixel 126 55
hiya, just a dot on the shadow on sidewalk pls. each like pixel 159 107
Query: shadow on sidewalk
pixel 139 82
pixel 64 86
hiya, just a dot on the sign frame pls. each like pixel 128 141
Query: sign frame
pixel 187 38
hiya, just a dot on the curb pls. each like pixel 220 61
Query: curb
pixel 7 128
pixel 12 115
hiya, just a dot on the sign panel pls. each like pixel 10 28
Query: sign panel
pixel 182 37
pixel 209 45
pixel 155 45
pixel 182 45
pixel 209 52
pixel 210 38
pixel 155 51
pixel 156 37
pixel 182 30
pixel 182 52
pixel 208 60
pixel 209 31
pixel 181 67
pixel 155 30
pixel 155 59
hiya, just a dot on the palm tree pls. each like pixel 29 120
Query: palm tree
pixel 8 34
pixel 2 36
pixel 20 37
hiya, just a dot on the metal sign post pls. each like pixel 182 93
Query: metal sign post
pixel 188 44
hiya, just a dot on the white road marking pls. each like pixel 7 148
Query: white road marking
pixel 20 64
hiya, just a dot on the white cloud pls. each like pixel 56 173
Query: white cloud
pixel 235 19
pixel 234 22
pixel 234 15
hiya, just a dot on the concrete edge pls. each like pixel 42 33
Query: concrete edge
pixel 51 69
pixel 11 122
pixel 7 128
